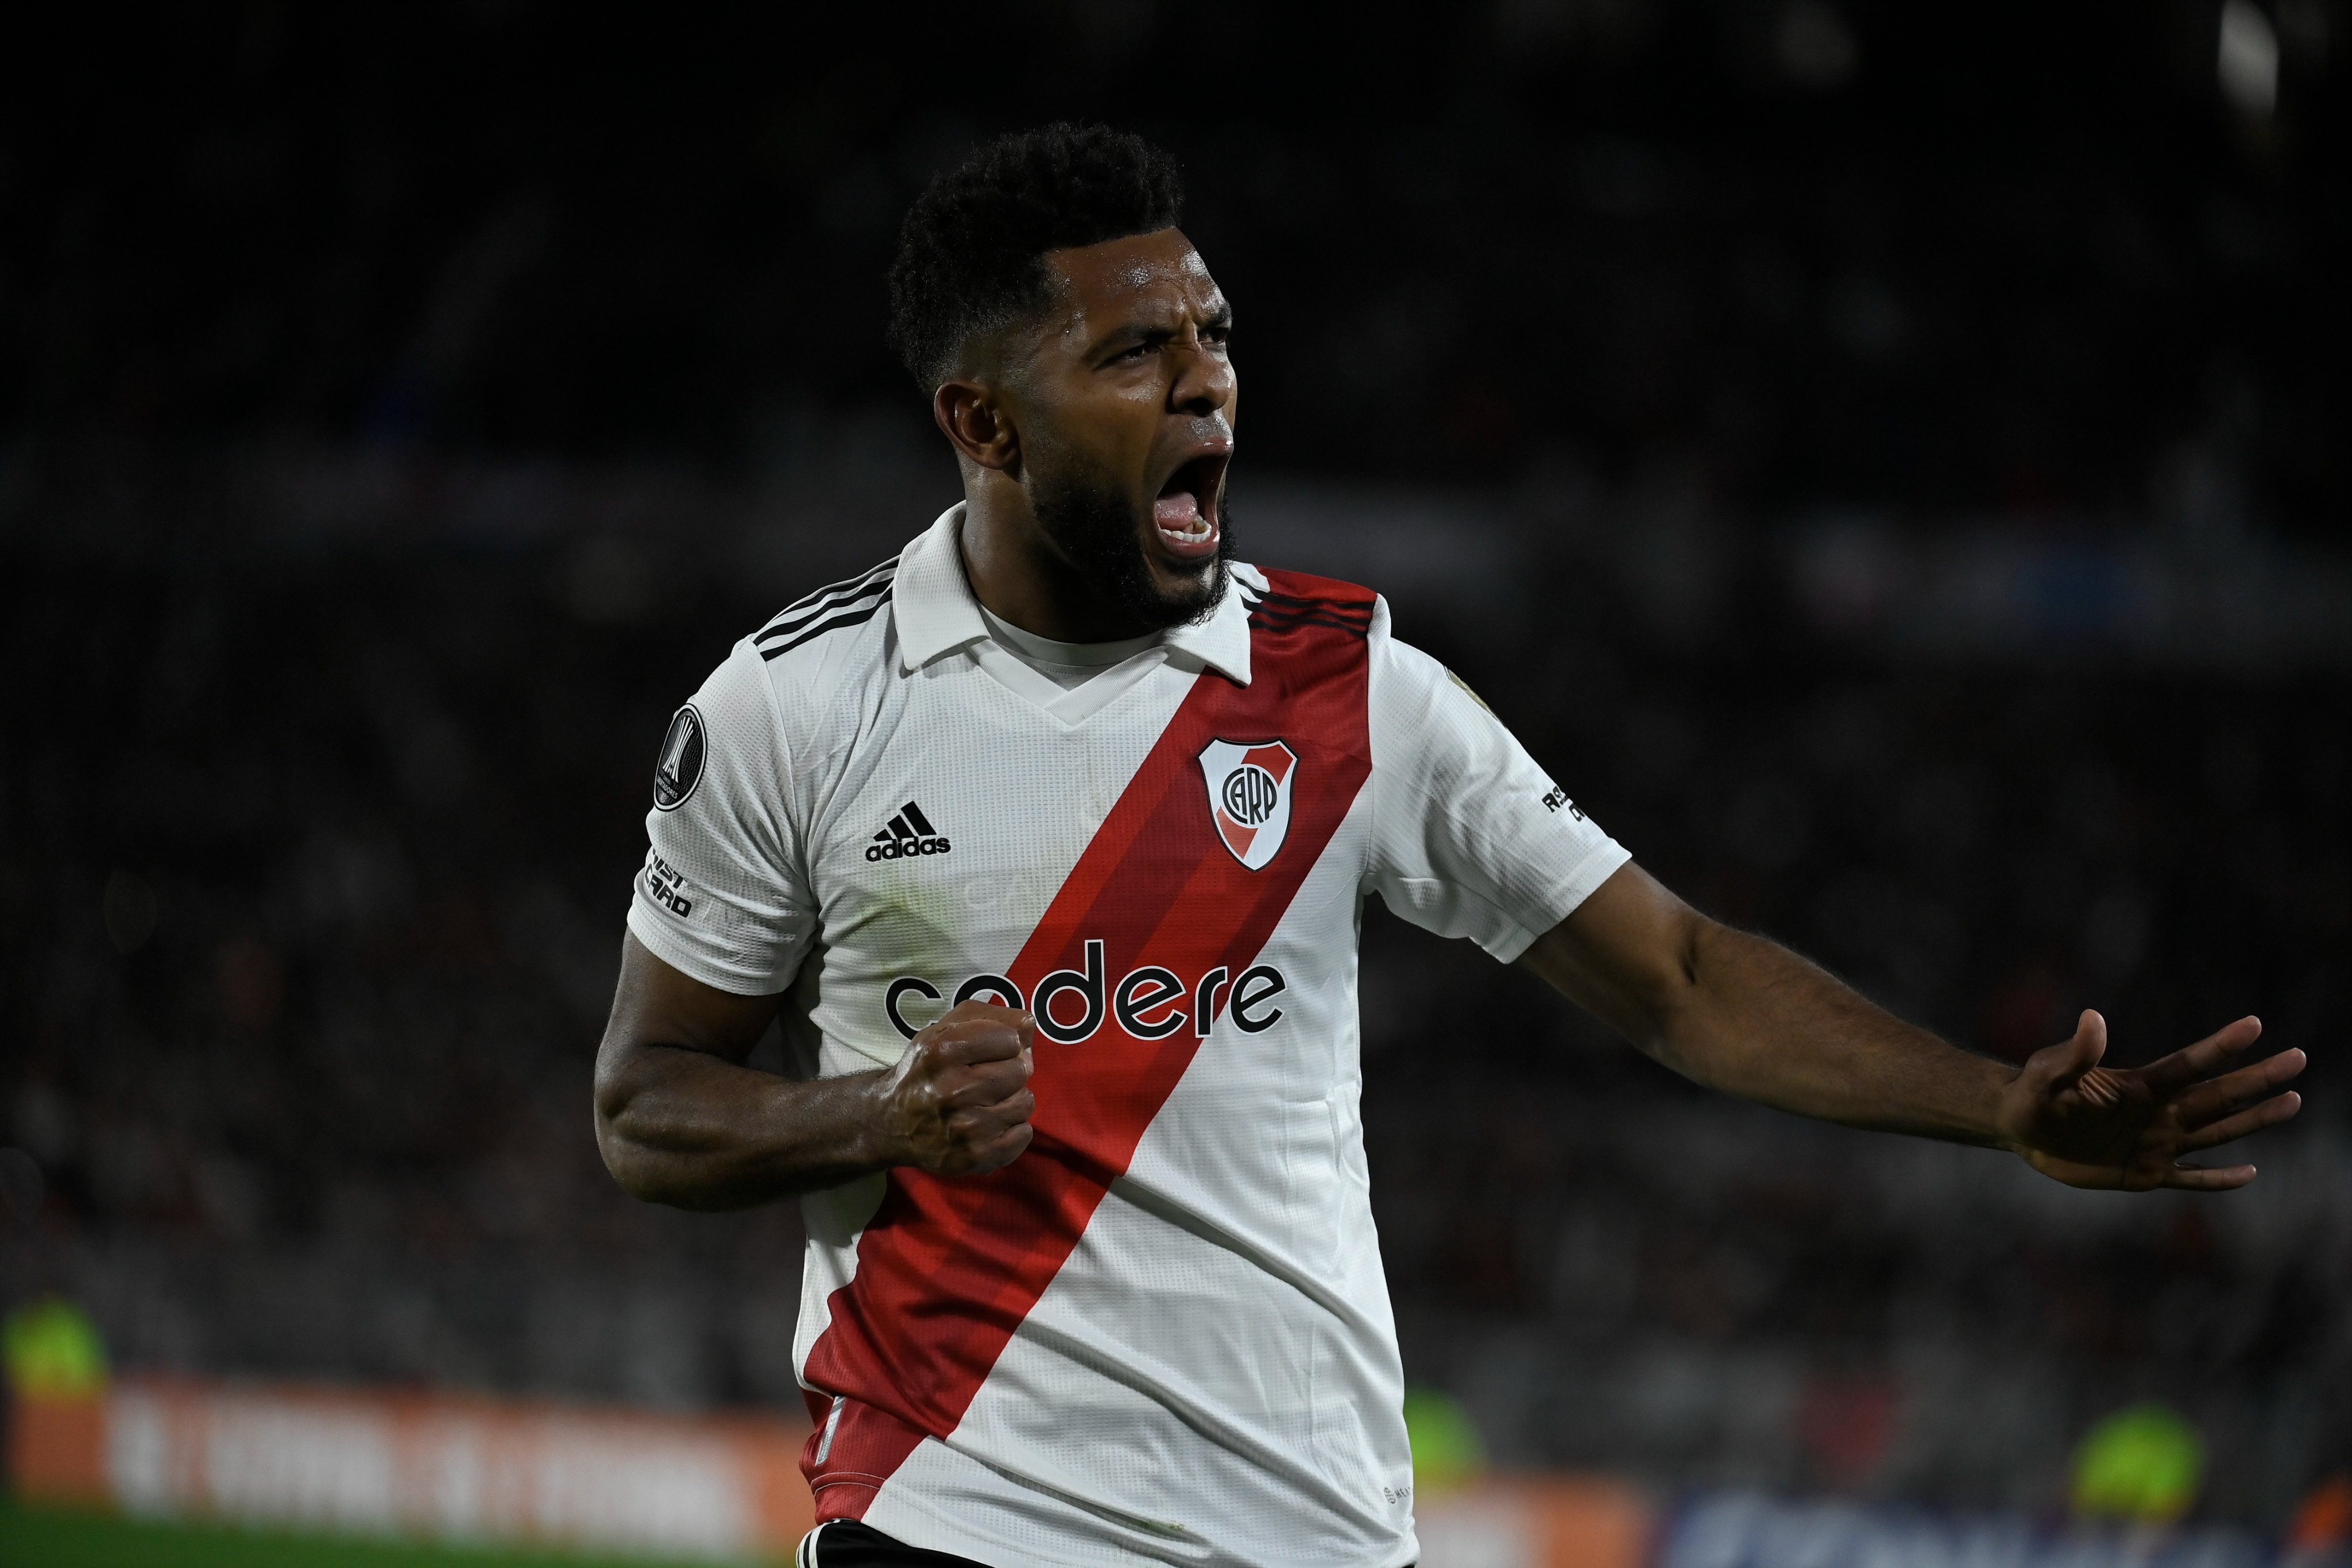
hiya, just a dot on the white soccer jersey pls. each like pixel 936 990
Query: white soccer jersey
pixel 1162 1334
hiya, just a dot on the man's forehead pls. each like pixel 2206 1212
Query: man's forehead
pixel 1125 270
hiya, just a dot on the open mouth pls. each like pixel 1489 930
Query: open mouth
pixel 1185 513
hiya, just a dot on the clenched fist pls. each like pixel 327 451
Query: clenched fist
pixel 958 1103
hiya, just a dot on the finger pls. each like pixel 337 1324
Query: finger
pixel 1017 1106
pixel 2100 1086
pixel 979 1134
pixel 2209 1178
pixel 2202 1060
pixel 2269 1114
pixel 985 1010
pixel 976 1123
pixel 975 1031
pixel 980 1085
pixel 2058 1067
pixel 1002 1151
pixel 2219 1096
pixel 968 1092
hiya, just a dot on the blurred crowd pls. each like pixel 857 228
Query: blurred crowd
pixel 316 851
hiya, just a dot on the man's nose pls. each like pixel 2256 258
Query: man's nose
pixel 1205 379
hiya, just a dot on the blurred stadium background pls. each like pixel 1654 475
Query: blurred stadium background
pixel 1891 462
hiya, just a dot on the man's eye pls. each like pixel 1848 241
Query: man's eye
pixel 1137 352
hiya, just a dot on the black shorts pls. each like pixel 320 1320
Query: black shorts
pixel 846 1543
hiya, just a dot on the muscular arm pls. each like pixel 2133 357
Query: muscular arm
pixel 682 1121
pixel 1747 1016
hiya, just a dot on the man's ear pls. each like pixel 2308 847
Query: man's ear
pixel 973 418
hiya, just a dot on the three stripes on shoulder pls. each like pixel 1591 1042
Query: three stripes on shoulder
pixel 850 602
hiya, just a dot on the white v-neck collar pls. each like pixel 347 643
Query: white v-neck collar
pixel 1052 659
pixel 1072 704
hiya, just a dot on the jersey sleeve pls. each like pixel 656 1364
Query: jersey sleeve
pixel 1471 838
pixel 724 895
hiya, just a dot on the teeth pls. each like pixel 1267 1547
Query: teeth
pixel 1182 520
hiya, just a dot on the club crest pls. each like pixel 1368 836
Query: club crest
pixel 1249 796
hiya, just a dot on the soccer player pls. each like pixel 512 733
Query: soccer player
pixel 1046 839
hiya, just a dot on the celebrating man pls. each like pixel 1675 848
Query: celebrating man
pixel 1047 840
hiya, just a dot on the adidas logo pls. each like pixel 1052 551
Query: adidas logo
pixel 909 833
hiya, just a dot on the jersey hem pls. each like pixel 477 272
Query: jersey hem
pixel 903 1503
pixel 940 1533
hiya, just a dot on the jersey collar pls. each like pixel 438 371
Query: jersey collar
pixel 930 603
pixel 934 611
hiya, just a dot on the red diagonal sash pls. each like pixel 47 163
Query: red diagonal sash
pixel 947 1267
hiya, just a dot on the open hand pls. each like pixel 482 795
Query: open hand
pixel 2088 1125
pixel 959 1102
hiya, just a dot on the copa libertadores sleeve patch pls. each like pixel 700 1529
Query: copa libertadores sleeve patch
pixel 680 768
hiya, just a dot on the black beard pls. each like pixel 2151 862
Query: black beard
pixel 1095 529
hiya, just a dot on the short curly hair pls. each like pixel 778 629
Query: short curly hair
pixel 971 252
